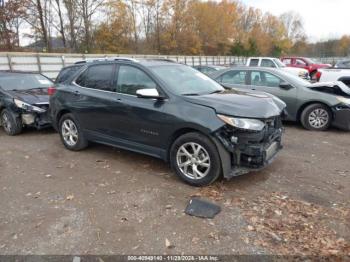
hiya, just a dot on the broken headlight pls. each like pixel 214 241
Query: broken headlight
pixel 27 107
pixel 243 123
pixel 343 100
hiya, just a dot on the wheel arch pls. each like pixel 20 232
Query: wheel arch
pixel 303 106
pixel 59 116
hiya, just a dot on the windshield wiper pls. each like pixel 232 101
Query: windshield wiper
pixel 191 94
pixel 216 92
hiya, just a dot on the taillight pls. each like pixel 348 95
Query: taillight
pixel 318 76
pixel 51 91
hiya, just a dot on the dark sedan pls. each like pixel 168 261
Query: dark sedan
pixel 24 101
pixel 316 106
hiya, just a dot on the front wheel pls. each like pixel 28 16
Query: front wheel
pixel 316 117
pixel 71 134
pixel 195 159
pixel 12 125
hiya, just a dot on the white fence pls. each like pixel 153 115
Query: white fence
pixel 51 64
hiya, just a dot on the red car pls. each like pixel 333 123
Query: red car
pixel 304 62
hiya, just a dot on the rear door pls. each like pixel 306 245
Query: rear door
pixel 95 99
pixel 270 83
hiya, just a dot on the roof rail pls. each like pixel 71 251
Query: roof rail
pixel 112 58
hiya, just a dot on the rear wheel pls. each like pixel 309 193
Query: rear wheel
pixel 71 134
pixel 195 159
pixel 316 117
pixel 11 124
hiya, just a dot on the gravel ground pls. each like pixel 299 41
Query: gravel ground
pixel 109 201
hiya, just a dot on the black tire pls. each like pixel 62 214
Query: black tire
pixel 81 143
pixel 11 124
pixel 306 114
pixel 209 149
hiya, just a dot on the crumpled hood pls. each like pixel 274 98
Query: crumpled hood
pixel 294 70
pixel 236 102
pixel 334 84
pixel 32 96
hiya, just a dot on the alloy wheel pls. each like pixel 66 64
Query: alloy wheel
pixel 193 160
pixel 318 118
pixel 69 132
pixel 6 123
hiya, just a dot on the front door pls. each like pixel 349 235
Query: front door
pixel 270 83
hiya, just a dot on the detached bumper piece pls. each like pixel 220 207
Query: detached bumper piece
pixel 250 150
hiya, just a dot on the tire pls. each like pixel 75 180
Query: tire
pixel 209 169
pixel 71 134
pixel 316 117
pixel 11 124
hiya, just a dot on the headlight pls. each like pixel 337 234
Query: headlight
pixel 27 107
pixel 343 100
pixel 243 123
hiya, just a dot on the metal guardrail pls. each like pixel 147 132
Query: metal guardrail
pixel 50 64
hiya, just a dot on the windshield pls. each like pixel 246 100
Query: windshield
pixel 24 81
pixel 184 80
pixel 311 61
pixel 279 62
pixel 297 80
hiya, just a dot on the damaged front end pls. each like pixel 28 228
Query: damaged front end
pixel 33 115
pixel 245 150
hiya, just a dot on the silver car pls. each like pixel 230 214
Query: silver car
pixel 317 106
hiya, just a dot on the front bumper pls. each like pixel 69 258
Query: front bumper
pixel 242 152
pixel 341 117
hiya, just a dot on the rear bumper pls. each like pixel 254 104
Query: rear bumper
pixel 341 117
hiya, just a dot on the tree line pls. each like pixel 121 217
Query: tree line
pixel 186 27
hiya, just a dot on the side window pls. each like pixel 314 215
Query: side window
pixel 234 77
pixel 265 79
pixel 131 79
pixel 267 63
pixel 300 62
pixel 254 62
pixel 66 73
pixel 287 61
pixel 97 77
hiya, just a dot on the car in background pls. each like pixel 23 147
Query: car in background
pixel 24 101
pixel 316 106
pixel 334 74
pixel 271 62
pixel 172 112
pixel 303 62
pixel 207 69
pixel 345 64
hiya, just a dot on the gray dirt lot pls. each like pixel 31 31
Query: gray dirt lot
pixel 110 201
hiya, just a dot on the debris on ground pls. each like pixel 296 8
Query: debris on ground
pixel 287 226
pixel 214 192
pixel 202 208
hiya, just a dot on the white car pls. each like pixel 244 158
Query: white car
pixel 276 63
pixel 333 74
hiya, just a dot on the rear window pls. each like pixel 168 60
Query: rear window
pixel 66 73
pixel 17 81
pixel 254 62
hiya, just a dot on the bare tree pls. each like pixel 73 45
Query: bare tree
pixel 293 24
pixel 60 27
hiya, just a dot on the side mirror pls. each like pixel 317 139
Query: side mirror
pixel 151 93
pixel 285 85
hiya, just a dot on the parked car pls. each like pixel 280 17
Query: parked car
pixel 334 74
pixel 316 106
pixel 345 64
pixel 272 62
pixel 169 111
pixel 207 69
pixel 24 101
pixel 303 62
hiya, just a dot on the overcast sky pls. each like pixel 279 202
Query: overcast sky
pixel 323 19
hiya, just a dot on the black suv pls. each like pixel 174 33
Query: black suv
pixel 169 111
pixel 24 101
